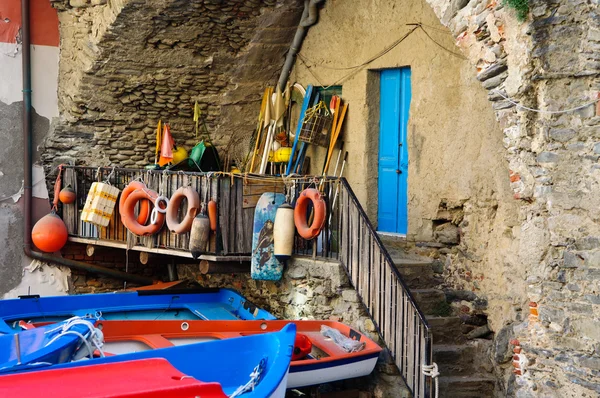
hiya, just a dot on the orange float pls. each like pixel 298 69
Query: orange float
pixel 67 195
pixel 306 231
pixel 302 347
pixel 212 215
pixel 144 211
pixel 128 216
pixel 193 205
pixel 49 234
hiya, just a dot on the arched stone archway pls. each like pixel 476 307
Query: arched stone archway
pixel 109 103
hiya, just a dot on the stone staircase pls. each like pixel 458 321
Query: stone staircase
pixel 459 349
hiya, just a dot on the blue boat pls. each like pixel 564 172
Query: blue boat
pixel 184 304
pixel 254 366
pixel 47 345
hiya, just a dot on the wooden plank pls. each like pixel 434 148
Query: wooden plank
pixel 253 190
pixel 224 213
pixel 399 336
pixel 70 211
pixel 232 216
pixel 240 236
pixel 355 244
pixel 156 250
pixel 224 267
pixel 387 294
pixel 247 225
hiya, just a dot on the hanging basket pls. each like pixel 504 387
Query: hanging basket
pixel 316 125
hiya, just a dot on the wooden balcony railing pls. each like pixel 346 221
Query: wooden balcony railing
pixel 348 237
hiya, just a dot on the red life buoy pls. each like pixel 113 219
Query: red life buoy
pixel 128 218
pixel 193 205
pixel 144 211
pixel 319 212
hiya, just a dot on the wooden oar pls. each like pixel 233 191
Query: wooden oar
pixel 270 122
pixel 259 127
pixel 336 133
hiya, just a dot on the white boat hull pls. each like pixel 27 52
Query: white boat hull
pixel 280 391
pixel 310 377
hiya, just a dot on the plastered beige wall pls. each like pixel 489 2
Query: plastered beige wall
pixel 455 143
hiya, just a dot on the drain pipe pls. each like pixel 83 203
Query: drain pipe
pixel 27 168
pixel 310 16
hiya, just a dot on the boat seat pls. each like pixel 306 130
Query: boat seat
pixel 208 311
pixel 325 344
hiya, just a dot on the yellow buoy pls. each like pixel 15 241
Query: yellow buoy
pixel 282 155
pixel 179 155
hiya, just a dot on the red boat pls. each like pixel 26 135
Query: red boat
pixel 147 378
pixel 325 351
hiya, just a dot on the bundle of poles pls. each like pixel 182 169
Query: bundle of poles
pixel 274 120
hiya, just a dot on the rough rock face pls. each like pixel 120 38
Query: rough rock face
pixel 125 64
pixel 550 63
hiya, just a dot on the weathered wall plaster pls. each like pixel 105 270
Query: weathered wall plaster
pixel 18 274
pixel 455 145
pixel 459 191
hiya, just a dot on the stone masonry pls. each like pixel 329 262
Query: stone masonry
pixel 122 70
pixel 125 64
pixel 549 62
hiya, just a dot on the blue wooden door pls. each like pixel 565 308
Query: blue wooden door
pixel 393 150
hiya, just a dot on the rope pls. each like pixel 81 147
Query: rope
pixel 432 371
pixel 95 335
pixel 255 377
pixel 512 101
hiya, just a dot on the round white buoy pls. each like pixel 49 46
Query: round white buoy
pixel 283 232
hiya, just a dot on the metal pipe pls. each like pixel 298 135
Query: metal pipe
pixel 310 17
pixel 28 170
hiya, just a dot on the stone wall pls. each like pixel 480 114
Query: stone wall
pixel 548 63
pixel 126 64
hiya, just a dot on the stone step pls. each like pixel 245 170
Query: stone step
pixel 456 360
pixel 473 386
pixel 418 274
pixel 392 242
pixel 431 301
pixel 446 329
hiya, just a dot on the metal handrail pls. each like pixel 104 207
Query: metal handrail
pixel 375 236
pixel 411 372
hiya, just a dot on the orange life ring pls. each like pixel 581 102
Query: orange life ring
pixel 128 218
pixel 319 211
pixel 193 205
pixel 144 211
